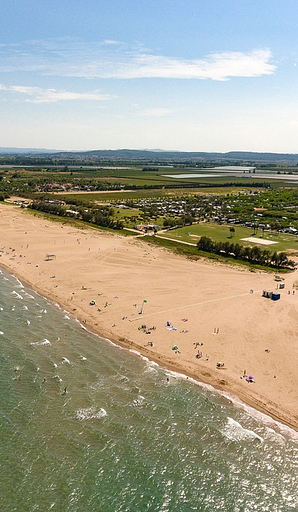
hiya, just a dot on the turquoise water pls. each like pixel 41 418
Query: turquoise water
pixel 122 437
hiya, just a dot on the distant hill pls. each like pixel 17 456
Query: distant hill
pixel 26 151
pixel 163 156
pixel 155 156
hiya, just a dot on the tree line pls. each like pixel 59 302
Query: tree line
pixel 253 254
pixel 100 216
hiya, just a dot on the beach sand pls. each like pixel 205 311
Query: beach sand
pixel 205 303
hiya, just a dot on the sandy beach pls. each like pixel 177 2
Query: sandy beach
pixel 115 285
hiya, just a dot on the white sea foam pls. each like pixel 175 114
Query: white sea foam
pixel 1 333
pixel 150 369
pixel 17 294
pixel 24 308
pixel 152 363
pixel 19 282
pixel 28 322
pixel 134 352
pixel 235 432
pixel 137 402
pixel 90 413
pixel 275 435
pixel 65 360
pixel 262 417
pixel 44 342
pixel 28 295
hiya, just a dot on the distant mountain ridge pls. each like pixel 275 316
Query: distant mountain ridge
pixel 156 156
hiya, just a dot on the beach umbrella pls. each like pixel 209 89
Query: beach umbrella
pixel 251 377
pixel 174 347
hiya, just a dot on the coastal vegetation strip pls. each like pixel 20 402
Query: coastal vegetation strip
pixel 230 210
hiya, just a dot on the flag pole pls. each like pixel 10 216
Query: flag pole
pixel 142 307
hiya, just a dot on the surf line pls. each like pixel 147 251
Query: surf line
pixel 193 305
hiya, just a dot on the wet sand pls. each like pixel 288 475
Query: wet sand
pixel 212 308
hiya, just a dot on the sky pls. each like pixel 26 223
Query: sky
pixel 184 75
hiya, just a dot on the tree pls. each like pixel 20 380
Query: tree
pixel 232 231
pixel 205 244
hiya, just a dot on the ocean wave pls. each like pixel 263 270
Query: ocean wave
pixel 137 402
pixel 57 378
pixel 90 413
pixel 17 294
pixel 279 428
pixel 235 432
pixel 18 281
pixel 44 342
pixel 150 369
pixel 28 295
pixel 136 352
pixel 275 435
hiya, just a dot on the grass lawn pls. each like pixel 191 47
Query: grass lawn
pixel 221 233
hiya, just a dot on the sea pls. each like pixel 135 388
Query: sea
pixel 87 426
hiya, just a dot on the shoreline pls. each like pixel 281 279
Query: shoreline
pixel 171 299
pixel 239 400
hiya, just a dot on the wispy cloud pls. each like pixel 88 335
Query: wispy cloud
pixel 112 59
pixel 38 95
pixel 220 66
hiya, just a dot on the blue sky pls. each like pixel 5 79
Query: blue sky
pixel 192 75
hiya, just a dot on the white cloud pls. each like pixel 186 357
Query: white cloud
pixel 220 66
pixel 38 95
pixel 113 59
